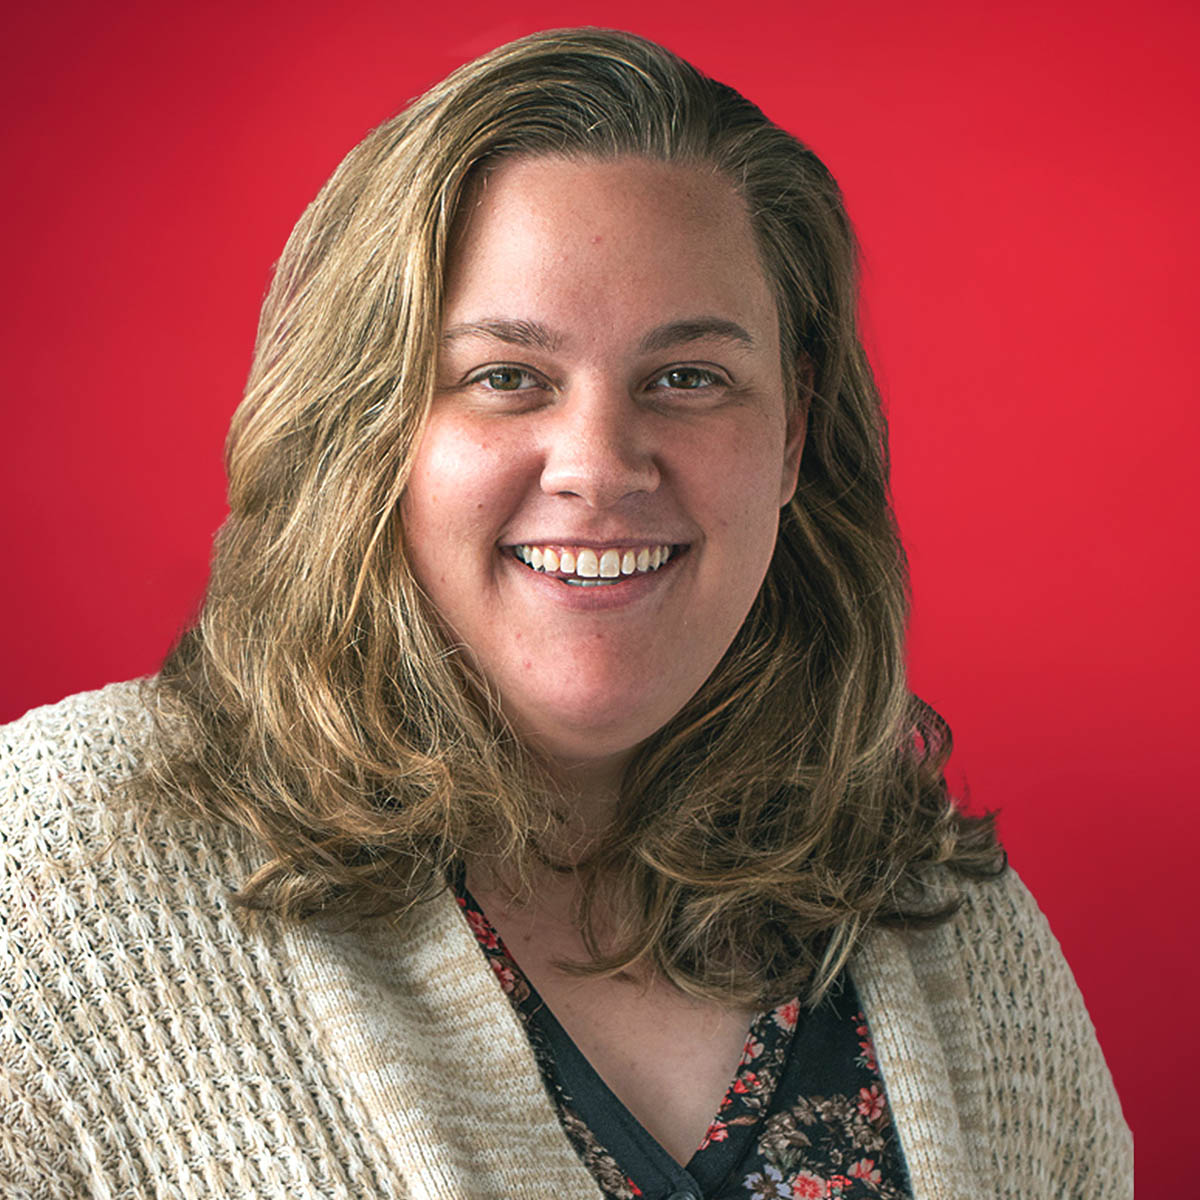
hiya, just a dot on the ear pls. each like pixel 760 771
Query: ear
pixel 797 430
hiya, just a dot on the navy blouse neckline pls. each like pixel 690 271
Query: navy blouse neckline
pixel 805 1115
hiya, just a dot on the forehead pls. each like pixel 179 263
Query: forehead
pixel 607 241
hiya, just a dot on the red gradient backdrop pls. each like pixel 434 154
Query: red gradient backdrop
pixel 1024 180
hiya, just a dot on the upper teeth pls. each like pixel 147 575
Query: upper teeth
pixel 594 564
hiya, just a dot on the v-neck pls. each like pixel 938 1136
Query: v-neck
pixel 388 1001
pixel 605 1114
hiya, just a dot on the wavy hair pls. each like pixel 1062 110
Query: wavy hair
pixel 317 703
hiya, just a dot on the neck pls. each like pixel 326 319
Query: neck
pixel 588 794
pixel 589 791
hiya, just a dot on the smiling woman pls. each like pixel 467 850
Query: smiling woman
pixel 610 388
pixel 539 807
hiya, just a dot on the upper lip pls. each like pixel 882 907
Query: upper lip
pixel 594 543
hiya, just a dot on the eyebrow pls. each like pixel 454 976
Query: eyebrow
pixel 532 333
pixel 516 333
pixel 697 329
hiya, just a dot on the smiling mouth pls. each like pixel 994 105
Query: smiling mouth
pixel 584 566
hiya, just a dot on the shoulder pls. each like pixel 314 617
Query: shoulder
pixel 86 868
pixel 73 838
pixel 1034 1091
pixel 117 946
pixel 61 763
pixel 69 822
pixel 1001 948
pixel 93 739
pixel 1000 938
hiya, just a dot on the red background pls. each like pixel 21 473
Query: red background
pixel 1025 183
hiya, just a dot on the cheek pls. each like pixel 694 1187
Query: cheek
pixel 738 482
pixel 450 466
pixel 463 483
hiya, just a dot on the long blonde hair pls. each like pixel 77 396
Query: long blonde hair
pixel 797 798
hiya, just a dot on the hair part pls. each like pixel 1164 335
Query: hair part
pixel 799 796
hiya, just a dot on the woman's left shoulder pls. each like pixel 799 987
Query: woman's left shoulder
pixel 998 953
pixel 1007 1011
pixel 999 915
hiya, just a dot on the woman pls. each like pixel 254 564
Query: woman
pixel 547 713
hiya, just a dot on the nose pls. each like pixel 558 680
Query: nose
pixel 599 447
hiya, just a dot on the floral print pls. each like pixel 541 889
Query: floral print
pixel 786 1015
pixel 871 1103
pixel 768 1184
pixel 866 1057
pixel 836 1146
pixel 782 1132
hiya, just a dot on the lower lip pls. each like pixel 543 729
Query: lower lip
pixel 625 590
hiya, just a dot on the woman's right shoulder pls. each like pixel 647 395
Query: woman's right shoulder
pixel 59 763
pixel 76 828
pixel 114 717
pixel 135 998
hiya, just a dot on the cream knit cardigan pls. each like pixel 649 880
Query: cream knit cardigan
pixel 157 1041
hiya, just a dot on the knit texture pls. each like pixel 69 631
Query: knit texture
pixel 156 1041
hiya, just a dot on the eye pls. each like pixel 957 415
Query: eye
pixel 505 379
pixel 686 379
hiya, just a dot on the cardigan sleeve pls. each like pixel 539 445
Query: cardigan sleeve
pixel 1056 1126
pixel 41 1156
pixel 148 1042
pixel 35 1153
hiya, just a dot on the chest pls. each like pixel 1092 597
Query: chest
pixel 668 1057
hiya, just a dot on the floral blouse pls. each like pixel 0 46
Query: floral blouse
pixel 806 1114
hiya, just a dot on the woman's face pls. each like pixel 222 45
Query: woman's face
pixel 609 397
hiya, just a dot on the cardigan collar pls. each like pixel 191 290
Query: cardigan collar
pixel 428 1050
pixel 912 993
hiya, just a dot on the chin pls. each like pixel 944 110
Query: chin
pixel 601 707
pixel 593 736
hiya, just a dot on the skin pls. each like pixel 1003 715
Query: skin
pixel 589 434
pixel 609 375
